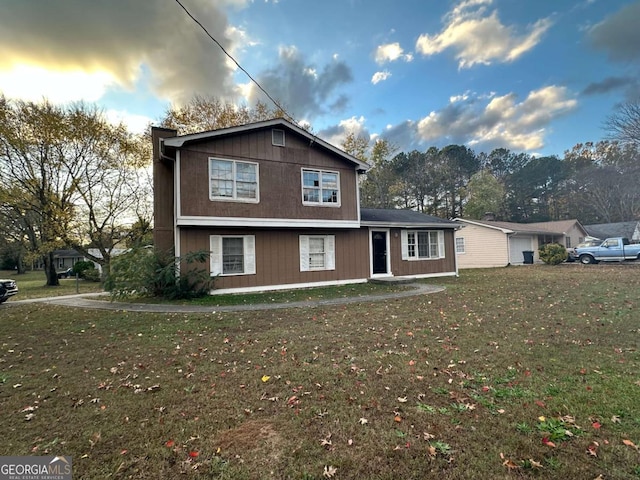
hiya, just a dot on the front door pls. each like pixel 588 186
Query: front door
pixel 379 247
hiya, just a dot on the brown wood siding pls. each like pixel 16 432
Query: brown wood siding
pixel 162 192
pixel 278 256
pixel 280 178
pixel 401 267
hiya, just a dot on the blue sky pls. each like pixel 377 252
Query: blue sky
pixel 530 76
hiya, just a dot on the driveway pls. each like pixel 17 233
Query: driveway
pixel 86 301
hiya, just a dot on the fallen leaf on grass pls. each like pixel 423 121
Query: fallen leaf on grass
pixel 535 464
pixel 265 378
pixel 548 442
pixel 363 421
pixel 169 443
pixel 629 443
pixel 596 425
pixel 194 454
pixel 616 419
pixel 510 464
pixel 329 471
pixel 592 449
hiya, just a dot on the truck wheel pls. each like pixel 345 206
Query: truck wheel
pixel 587 259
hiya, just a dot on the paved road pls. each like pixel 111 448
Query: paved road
pixel 85 301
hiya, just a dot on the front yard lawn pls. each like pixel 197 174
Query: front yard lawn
pixel 529 372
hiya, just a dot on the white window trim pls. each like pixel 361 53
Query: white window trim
pixel 414 258
pixel 320 203
pixel 234 198
pixel 248 253
pixel 329 253
pixel 458 251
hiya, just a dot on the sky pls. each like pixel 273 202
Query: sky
pixel 534 76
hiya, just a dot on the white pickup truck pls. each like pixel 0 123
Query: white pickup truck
pixel 614 249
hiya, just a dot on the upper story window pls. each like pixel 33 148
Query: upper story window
pixel 277 137
pixel 233 180
pixel 320 187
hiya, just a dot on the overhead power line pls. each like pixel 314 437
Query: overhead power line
pixel 234 60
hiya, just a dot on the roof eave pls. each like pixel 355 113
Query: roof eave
pixel 178 142
pixel 372 223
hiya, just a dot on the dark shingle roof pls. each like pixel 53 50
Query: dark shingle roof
pixel 605 230
pixel 398 218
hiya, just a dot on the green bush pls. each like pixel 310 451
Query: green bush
pixel 82 266
pixel 91 274
pixel 144 272
pixel 553 253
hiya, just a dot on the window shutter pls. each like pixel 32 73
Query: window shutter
pixel 250 254
pixel 330 252
pixel 441 244
pixel 215 242
pixel 405 245
pixel 304 253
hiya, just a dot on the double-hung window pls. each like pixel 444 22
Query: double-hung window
pixel 320 187
pixel 422 244
pixel 459 244
pixel 233 180
pixel 317 252
pixel 233 255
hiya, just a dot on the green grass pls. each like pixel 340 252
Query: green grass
pixel 483 380
pixel 33 285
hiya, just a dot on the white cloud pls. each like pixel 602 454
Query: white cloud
pixel 500 122
pixel 135 123
pixel 337 134
pixel 29 82
pixel 477 36
pixel 380 77
pixel 391 52
pixel 112 44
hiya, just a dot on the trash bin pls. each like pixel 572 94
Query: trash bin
pixel 528 257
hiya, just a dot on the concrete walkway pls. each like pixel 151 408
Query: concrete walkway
pixel 85 301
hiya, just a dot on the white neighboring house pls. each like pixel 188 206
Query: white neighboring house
pixel 486 244
pixel 97 254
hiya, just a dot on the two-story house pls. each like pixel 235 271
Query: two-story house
pixel 277 207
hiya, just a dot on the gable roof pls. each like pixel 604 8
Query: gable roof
pixel 620 229
pixel 180 141
pixel 389 217
pixel 559 225
pixel 510 227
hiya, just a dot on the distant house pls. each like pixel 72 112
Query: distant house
pixel 65 259
pixel 574 232
pixel 485 243
pixel 630 230
pixel 278 207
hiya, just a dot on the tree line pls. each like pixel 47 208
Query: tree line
pixel 593 182
pixel 69 178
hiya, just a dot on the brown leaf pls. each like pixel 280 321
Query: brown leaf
pixel 629 443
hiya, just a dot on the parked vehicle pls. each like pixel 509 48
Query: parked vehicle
pixel 8 288
pixel 614 249
pixel 571 251
pixel 66 273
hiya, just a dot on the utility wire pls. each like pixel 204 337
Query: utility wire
pixel 235 61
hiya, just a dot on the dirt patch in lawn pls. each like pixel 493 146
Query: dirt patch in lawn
pixel 250 436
